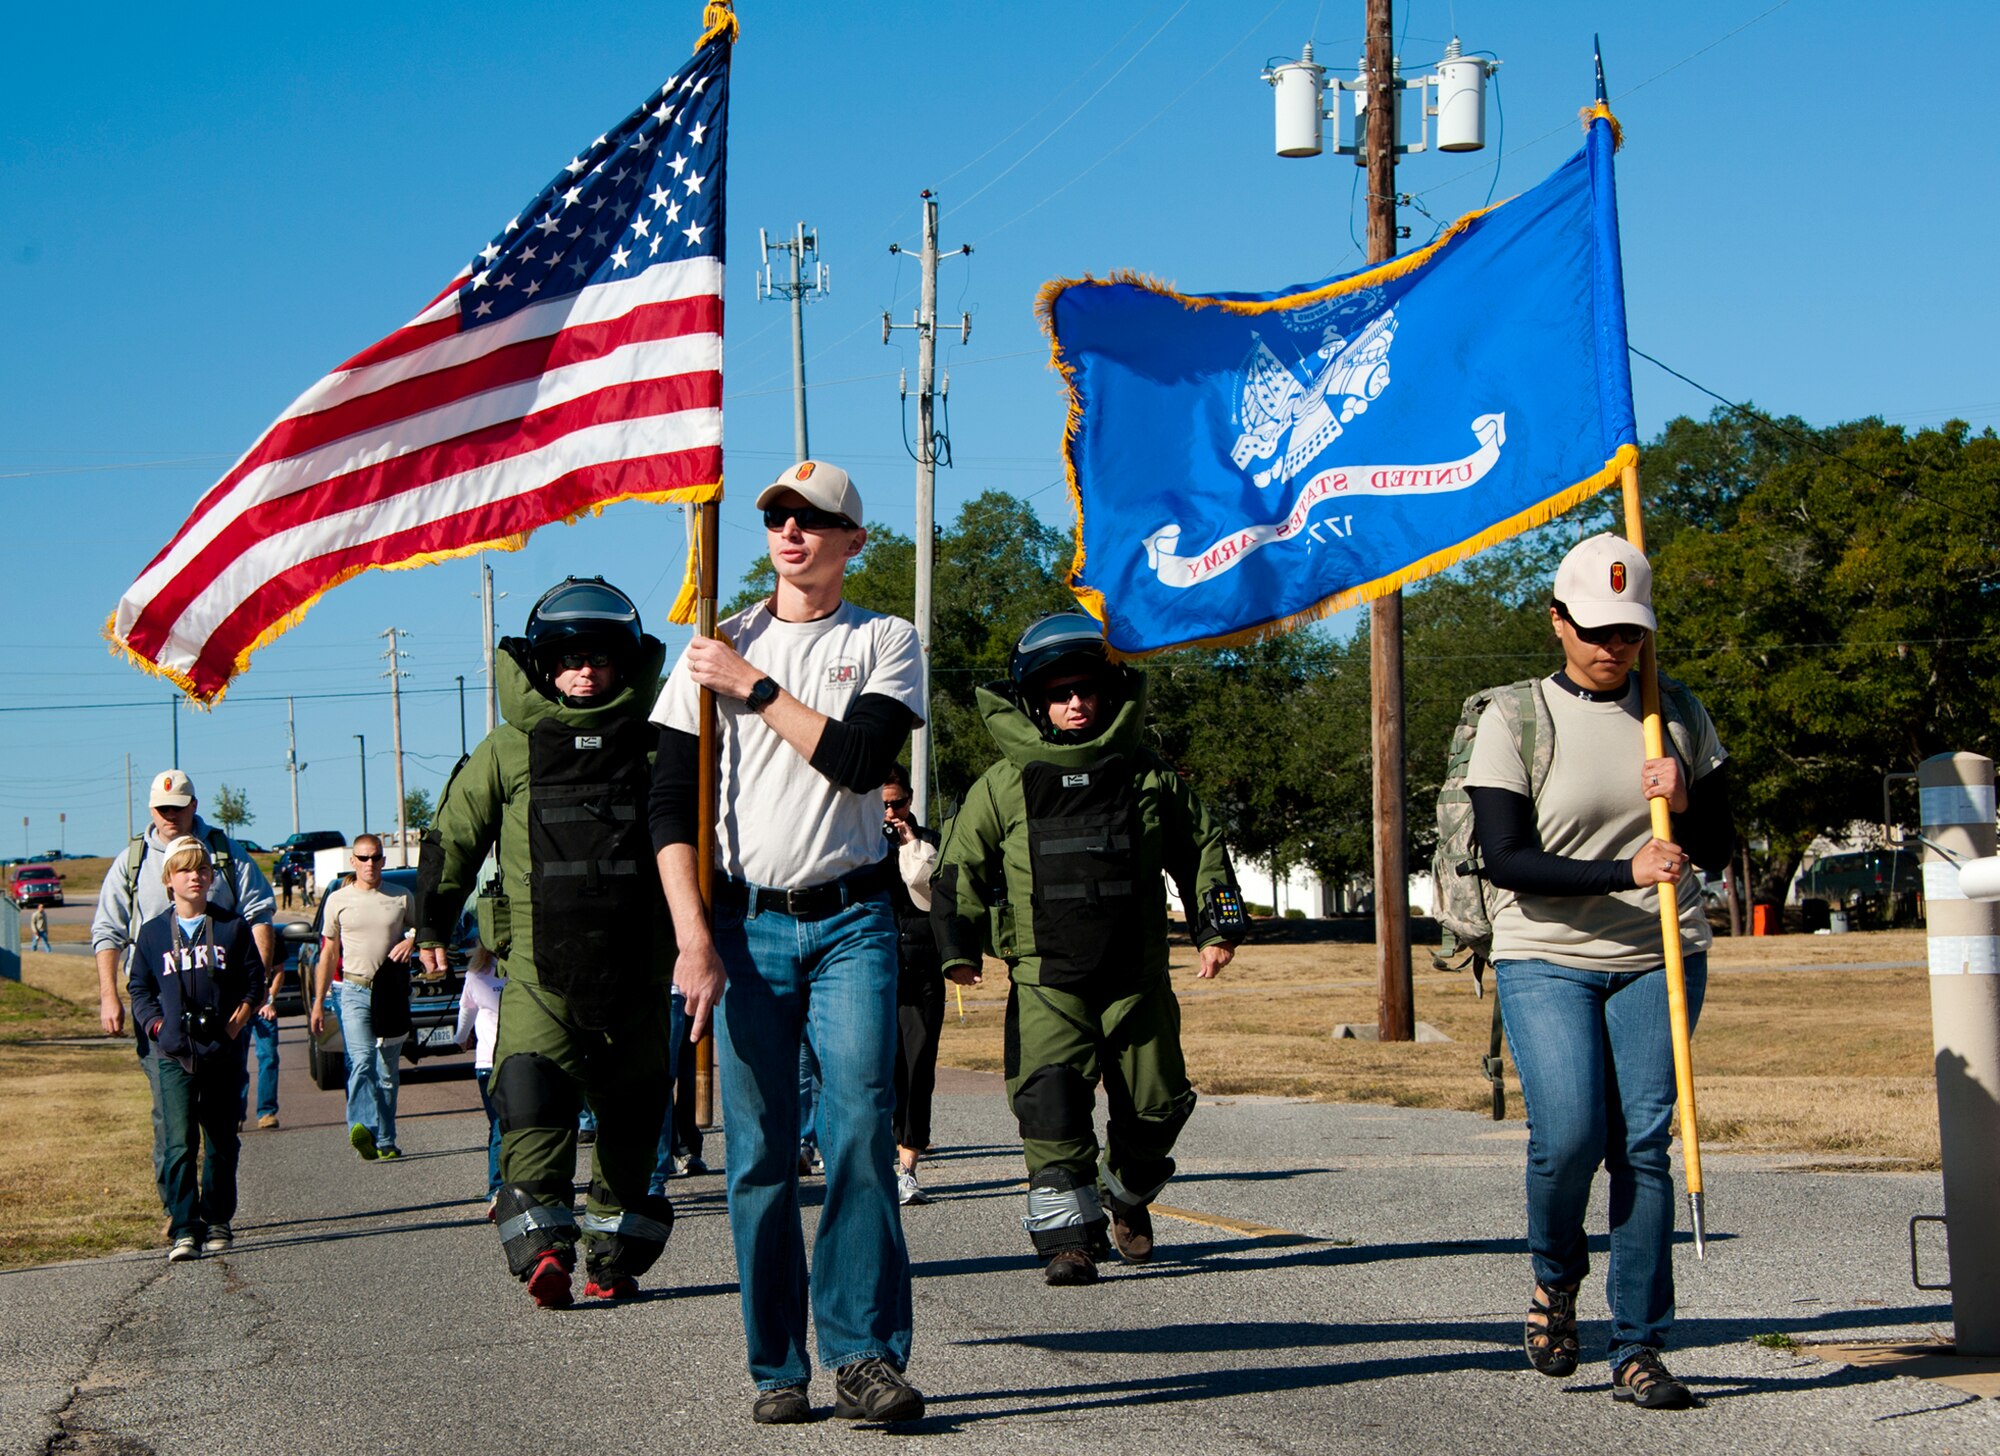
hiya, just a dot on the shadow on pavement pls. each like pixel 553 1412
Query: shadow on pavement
pixel 1253 1337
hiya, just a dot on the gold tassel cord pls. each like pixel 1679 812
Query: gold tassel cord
pixel 718 17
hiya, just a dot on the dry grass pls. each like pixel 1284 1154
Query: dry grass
pixel 75 1126
pixel 1828 1061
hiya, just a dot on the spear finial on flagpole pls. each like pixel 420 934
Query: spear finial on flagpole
pixel 1597 55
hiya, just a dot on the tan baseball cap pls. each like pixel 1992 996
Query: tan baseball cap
pixel 171 790
pixel 1606 581
pixel 826 486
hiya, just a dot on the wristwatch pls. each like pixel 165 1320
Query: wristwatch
pixel 762 694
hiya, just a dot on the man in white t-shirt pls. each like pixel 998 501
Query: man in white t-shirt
pixel 814 697
pixel 368 929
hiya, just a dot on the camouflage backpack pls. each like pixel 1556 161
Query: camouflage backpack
pixel 1458 876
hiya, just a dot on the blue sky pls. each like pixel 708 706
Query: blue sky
pixel 204 208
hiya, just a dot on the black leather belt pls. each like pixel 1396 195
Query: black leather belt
pixel 814 902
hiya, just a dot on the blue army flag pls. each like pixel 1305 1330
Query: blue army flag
pixel 1245 462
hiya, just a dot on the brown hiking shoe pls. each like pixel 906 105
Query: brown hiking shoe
pixel 1131 1230
pixel 1070 1266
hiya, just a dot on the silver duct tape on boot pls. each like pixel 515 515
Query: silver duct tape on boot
pixel 1050 1209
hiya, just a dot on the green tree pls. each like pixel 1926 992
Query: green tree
pixel 232 809
pixel 1838 625
pixel 418 810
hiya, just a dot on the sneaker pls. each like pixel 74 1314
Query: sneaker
pixel 785 1406
pixel 811 1164
pixel 1131 1230
pixel 493 1209
pixel 694 1166
pixel 549 1282
pixel 908 1190
pixel 364 1142
pixel 622 1286
pixel 184 1248
pixel 874 1390
pixel 219 1240
pixel 268 1122
pixel 389 1150
pixel 1070 1266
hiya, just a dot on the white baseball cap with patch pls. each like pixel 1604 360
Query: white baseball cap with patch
pixel 172 789
pixel 823 485
pixel 1606 581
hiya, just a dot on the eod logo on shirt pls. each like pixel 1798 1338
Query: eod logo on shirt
pixel 843 672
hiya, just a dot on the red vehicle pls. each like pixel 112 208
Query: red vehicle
pixel 36 885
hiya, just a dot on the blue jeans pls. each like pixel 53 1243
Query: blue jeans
pixel 1596 1060
pixel 264 1042
pixel 808 1098
pixel 484 1075
pixel 663 1158
pixel 373 1072
pixel 834 980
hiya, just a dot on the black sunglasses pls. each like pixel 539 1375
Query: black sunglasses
pixel 366 858
pixel 897 804
pixel 1629 635
pixel 573 660
pixel 1088 687
pixel 810 518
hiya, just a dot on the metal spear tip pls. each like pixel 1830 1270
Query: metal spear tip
pixel 1700 1226
pixel 1597 55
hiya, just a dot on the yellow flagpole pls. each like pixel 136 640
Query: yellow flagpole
pixel 1670 913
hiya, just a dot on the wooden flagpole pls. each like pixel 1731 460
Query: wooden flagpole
pixel 1670 912
pixel 707 535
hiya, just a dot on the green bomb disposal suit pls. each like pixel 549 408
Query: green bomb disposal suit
pixel 579 924
pixel 1054 865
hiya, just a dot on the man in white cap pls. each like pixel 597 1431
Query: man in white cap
pixel 135 891
pixel 814 697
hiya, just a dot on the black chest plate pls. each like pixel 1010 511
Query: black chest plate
pixel 592 880
pixel 1082 827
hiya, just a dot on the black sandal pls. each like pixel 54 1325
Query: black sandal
pixel 1648 1384
pixel 1550 1334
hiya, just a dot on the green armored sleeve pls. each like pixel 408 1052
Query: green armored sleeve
pixel 456 844
pixel 1193 853
pixel 962 888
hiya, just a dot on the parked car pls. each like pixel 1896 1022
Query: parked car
pixel 36 884
pixel 433 1004
pixel 1878 884
pixel 312 839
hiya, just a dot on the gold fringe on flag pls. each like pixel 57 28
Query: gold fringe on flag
pixel 1588 114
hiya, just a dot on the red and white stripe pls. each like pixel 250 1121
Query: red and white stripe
pixel 434 442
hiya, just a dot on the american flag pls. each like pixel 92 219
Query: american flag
pixel 575 361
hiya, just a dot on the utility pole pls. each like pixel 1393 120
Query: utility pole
pixel 129 829
pixel 395 674
pixel 1395 1005
pixel 292 760
pixel 174 708
pixel 486 600
pixel 461 715
pixel 927 454
pixel 804 285
pixel 362 740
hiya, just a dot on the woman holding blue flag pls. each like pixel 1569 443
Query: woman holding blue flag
pixel 1568 850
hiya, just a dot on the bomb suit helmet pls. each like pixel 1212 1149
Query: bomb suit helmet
pixel 582 612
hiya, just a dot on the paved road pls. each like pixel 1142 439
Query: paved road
pixel 366 1309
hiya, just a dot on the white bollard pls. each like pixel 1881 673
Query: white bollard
pixel 1964 944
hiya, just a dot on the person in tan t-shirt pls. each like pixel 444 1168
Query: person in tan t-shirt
pixel 1579 962
pixel 367 931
